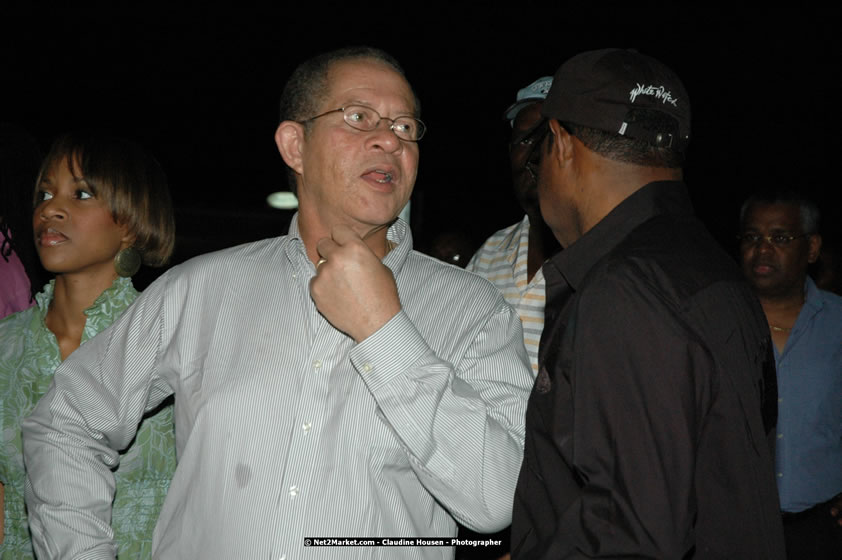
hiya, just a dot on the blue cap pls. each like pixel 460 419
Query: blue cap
pixel 536 91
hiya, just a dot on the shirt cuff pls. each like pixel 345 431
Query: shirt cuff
pixel 391 350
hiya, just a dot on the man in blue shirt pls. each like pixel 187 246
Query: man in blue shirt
pixel 779 238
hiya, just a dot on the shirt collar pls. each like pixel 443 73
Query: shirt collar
pixel 102 305
pixel 44 297
pixel 121 290
pixel 573 263
pixel 813 299
pixel 398 233
pixel 519 244
pixel 813 303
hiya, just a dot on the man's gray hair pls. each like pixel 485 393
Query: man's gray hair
pixel 810 215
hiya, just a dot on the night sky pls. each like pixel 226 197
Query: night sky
pixel 199 87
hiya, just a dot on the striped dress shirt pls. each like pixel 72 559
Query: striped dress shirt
pixel 502 259
pixel 285 428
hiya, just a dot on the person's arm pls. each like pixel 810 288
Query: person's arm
pixel 461 425
pixel 92 409
pixel 640 382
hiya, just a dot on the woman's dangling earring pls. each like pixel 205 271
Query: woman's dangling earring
pixel 127 262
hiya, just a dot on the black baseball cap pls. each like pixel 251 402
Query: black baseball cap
pixel 599 89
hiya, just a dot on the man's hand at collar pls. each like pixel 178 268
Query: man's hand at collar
pixel 352 288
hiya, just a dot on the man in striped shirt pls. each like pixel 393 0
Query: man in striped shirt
pixel 332 382
pixel 511 258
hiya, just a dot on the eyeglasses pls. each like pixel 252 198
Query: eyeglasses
pixel 366 119
pixel 530 141
pixel 533 136
pixel 776 239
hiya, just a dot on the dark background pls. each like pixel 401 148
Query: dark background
pixel 198 84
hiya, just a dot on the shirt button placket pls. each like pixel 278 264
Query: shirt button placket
pixel 307 426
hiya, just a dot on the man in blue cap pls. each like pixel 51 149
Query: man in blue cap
pixel 511 258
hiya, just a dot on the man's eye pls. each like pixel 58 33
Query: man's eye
pixel 358 116
pixel 780 239
pixel 42 196
pixel 404 127
pixel 83 194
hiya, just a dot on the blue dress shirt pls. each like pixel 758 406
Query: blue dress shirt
pixel 808 457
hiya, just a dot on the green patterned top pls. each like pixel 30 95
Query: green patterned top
pixel 29 354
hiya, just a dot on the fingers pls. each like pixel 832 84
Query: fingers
pixel 340 236
pixel 352 288
pixel 326 247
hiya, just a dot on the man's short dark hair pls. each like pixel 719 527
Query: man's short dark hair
pixel 630 150
pixel 305 89
pixel 809 210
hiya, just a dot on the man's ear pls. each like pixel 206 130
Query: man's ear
pixel 814 248
pixel 560 144
pixel 289 137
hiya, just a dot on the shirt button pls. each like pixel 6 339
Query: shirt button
pixel 780 436
pixel 317 364
pixel 780 475
pixel 293 491
pixel 367 367
pixel 780 400
pixel 306 426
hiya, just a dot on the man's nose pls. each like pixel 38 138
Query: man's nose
pixel 384 137
pixel 765 245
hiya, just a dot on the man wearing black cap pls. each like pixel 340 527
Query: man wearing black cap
pixel 648 426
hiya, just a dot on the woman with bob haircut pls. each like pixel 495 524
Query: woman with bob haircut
pixel 101 208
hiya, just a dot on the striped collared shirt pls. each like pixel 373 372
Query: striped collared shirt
pixel 286 428
pixel 502 259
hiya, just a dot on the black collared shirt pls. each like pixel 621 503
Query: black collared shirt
pixel 647 428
